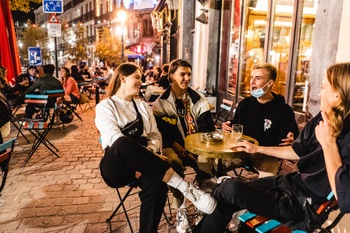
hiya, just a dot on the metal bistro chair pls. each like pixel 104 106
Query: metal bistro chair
pixel 15 121
pixel 254 223
pixel 6 150
pixel 40 126
pixel 60 93
pixel 122 198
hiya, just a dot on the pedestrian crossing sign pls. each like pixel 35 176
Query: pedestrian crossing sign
pixel 53 6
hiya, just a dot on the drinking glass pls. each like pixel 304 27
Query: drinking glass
pixel 237 131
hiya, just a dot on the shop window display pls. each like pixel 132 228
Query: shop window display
pixel 271 42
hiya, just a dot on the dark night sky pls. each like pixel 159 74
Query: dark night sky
pixel 22 17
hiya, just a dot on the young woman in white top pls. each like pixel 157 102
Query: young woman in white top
pixel 130 138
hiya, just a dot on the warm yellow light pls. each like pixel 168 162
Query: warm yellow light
pixel 121 15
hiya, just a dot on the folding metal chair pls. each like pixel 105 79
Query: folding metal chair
pixel 125 211
pixel 6 150
pixel 254 223
pixel 40 127
pixel 15 121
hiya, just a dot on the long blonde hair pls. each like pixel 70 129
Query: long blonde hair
pixel 338 76
pixel 124 69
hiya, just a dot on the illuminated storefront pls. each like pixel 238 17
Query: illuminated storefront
pixel 275 31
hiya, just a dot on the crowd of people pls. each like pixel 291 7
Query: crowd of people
pixel 143 141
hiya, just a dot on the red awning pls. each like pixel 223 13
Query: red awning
pixel 9 56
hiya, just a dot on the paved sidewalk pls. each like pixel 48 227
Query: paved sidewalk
pixel 66 194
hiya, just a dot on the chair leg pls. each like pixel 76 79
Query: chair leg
pixel 121 204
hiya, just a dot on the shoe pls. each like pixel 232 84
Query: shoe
pixel 234 223
pixel 199 216
pixel 201 200
pixel 183 225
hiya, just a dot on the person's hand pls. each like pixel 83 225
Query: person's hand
pixel 324 133
pixel 181 152
pixel 226 126
pixel 138 174
pixel 245 146
pixel 162 157
pixel 288 140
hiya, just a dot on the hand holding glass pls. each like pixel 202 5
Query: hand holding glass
pixel 237 131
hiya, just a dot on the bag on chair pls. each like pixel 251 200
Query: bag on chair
pixel 66 115
pixel 83 98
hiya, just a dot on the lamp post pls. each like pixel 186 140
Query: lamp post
pixel 121 16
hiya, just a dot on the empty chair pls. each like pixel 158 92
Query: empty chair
pixel 6 150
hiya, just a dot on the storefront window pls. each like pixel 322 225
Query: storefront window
pixel 271 41
pixel 253 41
pixel 304 55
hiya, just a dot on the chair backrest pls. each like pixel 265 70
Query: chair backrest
pixel 38 100
pixel 225 109
pixel 54 93
pixel 4 146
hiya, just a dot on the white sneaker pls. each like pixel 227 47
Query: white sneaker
pixel 201 200
pixel 183 225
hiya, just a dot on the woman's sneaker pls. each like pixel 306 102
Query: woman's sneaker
pixel 183 225
pixel 201 200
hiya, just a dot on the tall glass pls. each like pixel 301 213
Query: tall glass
pixel 237 131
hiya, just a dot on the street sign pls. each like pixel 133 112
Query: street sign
pixel 34 55
pixel 54 29
pixel 53 18
pixel 53 6
pixel 54 26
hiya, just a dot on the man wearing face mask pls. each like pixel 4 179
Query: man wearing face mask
pixel 265 116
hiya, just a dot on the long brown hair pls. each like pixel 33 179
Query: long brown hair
pixel 124 69
pixel 338 76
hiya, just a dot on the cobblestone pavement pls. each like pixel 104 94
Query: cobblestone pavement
pixel 66 194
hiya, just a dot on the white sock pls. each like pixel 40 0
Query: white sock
pixel 178 182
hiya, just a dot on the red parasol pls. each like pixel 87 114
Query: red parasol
pixel 9 56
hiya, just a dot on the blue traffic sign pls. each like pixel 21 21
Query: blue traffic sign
pixel 34 55
pixel 53 6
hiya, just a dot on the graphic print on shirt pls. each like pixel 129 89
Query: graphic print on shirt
pixel 267 124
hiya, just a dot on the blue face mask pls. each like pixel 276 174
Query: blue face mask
pixel 259 92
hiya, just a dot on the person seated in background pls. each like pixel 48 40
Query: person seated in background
pixel 181 111
pixel 70 86
pixel 30 75
pixel 5 117
pixel 323 154
pixel 163 80
pixel 266 117
pixel 130 139
pixel 76 75
pixel 46 82
pixel 13 94
pixel 151 87
pixel 84 71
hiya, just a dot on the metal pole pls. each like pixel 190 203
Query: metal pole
pixel 122 42
pixel 56 60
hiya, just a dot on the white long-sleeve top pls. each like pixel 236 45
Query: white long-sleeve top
pixel 112 114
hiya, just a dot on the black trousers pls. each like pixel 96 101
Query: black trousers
pixel 118 167
pixel 271 197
